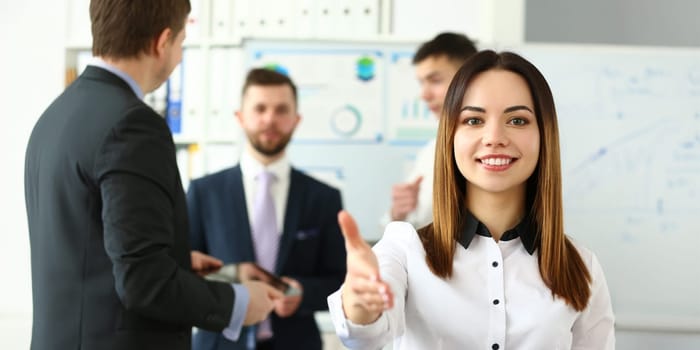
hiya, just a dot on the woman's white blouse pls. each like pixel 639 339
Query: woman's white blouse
pixel 496 299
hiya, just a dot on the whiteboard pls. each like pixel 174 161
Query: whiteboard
pixel 361 126
pixel 629 121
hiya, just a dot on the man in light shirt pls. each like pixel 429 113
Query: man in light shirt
pixel 436 62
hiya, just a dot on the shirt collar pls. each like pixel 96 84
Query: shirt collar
pixel 251 167
pixel 98 62
pixel 524 229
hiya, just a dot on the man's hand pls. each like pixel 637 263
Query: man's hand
pixel 404 198
pixel 262 301
pixel 248 271
pixel 288 305
pixel 204 264
pixel 365 296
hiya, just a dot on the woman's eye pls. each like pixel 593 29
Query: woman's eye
pixel 472 121
pixel 518 121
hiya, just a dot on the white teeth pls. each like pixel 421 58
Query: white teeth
pixel 496 161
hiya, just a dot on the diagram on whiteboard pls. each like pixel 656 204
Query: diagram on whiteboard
pixel 409 118
pixel 629 123
pixel 340 91
pixel 644 155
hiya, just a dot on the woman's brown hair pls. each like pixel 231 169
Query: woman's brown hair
pixel 561 266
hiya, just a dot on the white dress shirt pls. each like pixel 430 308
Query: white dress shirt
pixel 423 214
pixel 282 169
pixel 495 299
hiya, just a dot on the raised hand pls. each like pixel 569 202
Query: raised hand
pixel 365 295
pixel 404 198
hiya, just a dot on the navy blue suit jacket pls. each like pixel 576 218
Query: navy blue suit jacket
pixel 311 247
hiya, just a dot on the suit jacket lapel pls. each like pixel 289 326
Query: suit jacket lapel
pixel 291 219
pixel 241 241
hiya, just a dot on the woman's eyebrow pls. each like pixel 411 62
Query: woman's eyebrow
pixel 473 109
pixel 517 108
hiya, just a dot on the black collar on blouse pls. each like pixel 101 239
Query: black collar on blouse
pixel 524 230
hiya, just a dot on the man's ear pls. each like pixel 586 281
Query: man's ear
pixel 161 42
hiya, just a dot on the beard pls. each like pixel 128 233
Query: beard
pixel 269 148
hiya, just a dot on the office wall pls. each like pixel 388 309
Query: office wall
pixel 487 21
pixel 31 74
pixel 32 39
pixel 628 22
pixel 620 22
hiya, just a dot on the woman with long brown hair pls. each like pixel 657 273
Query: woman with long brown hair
pixel 494 270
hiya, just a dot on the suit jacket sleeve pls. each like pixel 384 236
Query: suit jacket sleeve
pixel 331 264
pixel 138 179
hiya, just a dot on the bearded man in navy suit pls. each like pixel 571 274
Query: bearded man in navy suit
pixel 309 250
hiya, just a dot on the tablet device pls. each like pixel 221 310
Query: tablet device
pixel 229 273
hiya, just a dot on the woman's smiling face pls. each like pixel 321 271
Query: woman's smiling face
pixel 497 140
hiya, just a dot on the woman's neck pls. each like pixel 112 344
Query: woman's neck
pixel 498 211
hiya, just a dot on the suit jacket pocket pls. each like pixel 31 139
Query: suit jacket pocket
pixel 306 234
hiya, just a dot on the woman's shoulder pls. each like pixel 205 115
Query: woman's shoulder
pixel 399 244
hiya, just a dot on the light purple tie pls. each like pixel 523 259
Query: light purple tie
pixel 265 235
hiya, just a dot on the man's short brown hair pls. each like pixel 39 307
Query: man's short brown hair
pixel 268 77
pixel 128 28
pixel 455 46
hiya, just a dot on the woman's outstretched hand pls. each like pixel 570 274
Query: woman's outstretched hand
pixel 365 296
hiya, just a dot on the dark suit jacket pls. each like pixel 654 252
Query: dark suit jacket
pixel 108 227
pixel 311 249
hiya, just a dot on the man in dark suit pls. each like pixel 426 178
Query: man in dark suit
pixel 305 244
pixel 111 262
